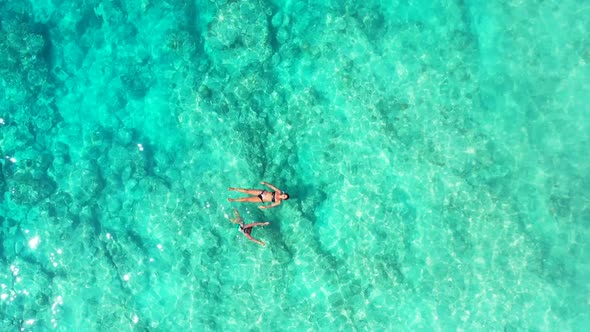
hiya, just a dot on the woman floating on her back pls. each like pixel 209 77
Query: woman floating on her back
pixel 261 196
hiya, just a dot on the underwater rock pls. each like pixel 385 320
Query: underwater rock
pixel 22 46
pixel 23 57
pixel 124 136
pixel 86 181
pixel 15 137
pixel 69 132
pixel 283 35
pixel 96 135
pixel 238 36
pixel 183 44
pixel 138 80
pixel 2 183
pixel 27 190
pixel 13 239
pixel 34 162
pixel 61 157
pixel 118 159
pixel 278 18
pixel 35 79
pixel 46 117
pixel 138 165
pixel 61 203
pixel 154 186
pixel 162 161
pixel 113 205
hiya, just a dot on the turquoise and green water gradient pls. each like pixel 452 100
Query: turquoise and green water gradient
pixel 436 154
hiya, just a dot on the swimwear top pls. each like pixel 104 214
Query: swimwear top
pixel 262 193
pixel 245 230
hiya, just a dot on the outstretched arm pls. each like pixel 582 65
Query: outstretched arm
pixel 271 186
pixel 254 224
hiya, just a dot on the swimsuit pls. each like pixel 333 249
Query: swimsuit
pixel 245 230
pixel 262 193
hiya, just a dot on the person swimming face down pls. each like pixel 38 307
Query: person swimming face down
pixel 246 229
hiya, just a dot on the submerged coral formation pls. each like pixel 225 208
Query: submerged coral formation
pixel 434 153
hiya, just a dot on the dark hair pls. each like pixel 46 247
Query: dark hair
pixel 286 198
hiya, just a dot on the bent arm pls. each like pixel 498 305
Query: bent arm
pixel 271 205
pixel 271 186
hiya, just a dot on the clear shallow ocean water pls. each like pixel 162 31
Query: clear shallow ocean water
pixel 436 154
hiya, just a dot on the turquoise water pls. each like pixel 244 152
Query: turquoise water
pixel 436 154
